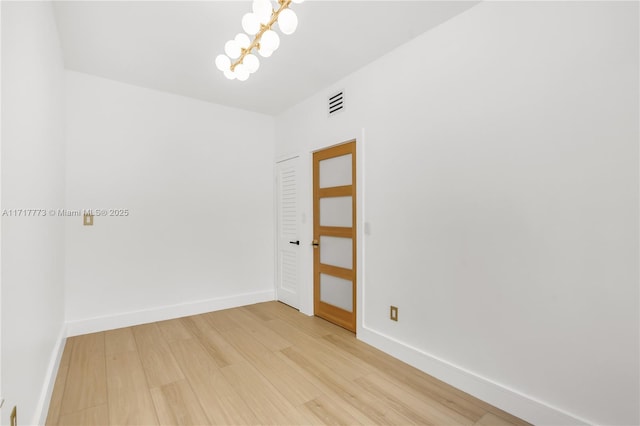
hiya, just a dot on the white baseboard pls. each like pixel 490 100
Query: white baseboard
pixel 126 319
pixel 42 409
pixel 509 400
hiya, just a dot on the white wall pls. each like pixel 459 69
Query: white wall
pixel 32 178
pixel 197 180
pixel 501 190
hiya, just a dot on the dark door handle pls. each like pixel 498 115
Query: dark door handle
pixel 295 242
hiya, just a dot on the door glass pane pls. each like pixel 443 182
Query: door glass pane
pixel 336 291
pixel 335 171
pixel 336 251
pixel 336 211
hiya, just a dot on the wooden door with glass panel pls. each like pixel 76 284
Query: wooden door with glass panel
pixel 334 234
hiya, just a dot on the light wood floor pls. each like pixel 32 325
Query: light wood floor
pixel 259 364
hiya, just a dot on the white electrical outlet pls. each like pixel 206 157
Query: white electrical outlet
pixel 393 313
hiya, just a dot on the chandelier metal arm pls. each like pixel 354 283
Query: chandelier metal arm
pixel 263 28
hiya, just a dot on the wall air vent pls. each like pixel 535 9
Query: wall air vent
pixel 336 103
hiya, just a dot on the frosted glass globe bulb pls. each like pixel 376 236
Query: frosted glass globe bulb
pixel 242 73
pixel 288 21
pixel 232 49
pixel 263 10
pixel 243 40
pixel 223 62
pixel 252 63
pixel 250 23
pixel 265 53
pixel 270 40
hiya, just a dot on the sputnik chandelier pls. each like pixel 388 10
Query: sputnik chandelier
pixel 238 61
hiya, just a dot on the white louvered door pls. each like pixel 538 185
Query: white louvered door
pixel 288 257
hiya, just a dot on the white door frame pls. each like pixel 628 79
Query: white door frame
pixel 1 395
pixel 306 179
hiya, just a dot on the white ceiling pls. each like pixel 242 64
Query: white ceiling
pixel 171 45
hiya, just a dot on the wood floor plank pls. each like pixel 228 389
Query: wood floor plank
pixel 419 410
pixel 55 405
pixel 94 416
pixel 86 384
pixel 309 418
pixel 119 340
pixel 295 387
pixel 266 309
pixel 320 345
pixel 460 401
pixel 245 344
pixel 259 331
pixel 327 412
pixel 222 352
pixel 491 419
pixel 411 377
pixel 220 320
pixel 147 335
pixel 507 417
pixel 159 364
pixel 262 398
pixel 298 416
pixel 335 384
pixel 328 327
pixel 217 397
pixel 292 333
pixel 309 325
pixel 312 325
pixel 129 397
pixel 176 404
pixel 173 330
pixel 341 362
pixel 193 358
pixel 259 311
pixel 197 324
